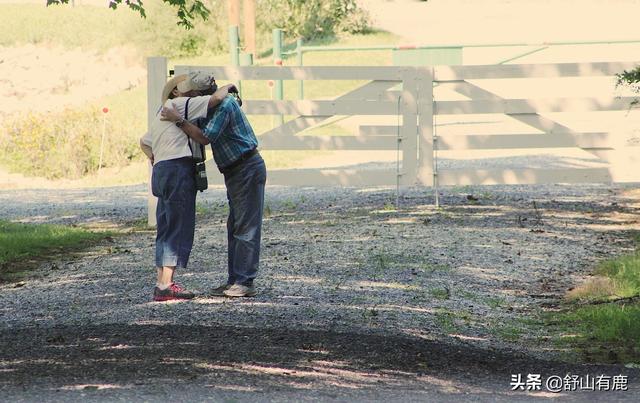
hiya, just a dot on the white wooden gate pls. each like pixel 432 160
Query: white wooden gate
pixel 415 136
pixel 544 132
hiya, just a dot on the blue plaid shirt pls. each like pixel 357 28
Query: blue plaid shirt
pixel 230 133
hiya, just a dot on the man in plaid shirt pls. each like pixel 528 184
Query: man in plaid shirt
pixel 235 152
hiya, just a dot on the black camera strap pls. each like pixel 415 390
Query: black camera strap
pixel 200 168
pixel 186 117
pixel 202 148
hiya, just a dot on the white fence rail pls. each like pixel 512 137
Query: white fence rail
pixel 414 107
pixel 373 98
pixel 544 132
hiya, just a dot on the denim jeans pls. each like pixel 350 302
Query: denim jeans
pixel 173 183
pixel 245 193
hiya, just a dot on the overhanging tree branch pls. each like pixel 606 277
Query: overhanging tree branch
pixel 187 10
pixel 631 78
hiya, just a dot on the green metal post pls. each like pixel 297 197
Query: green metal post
pixel 234 45
pixel 277 60
pixel 234 49
pixel 300 63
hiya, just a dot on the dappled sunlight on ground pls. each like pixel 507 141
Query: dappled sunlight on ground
pixel 288 359
pixel 353 295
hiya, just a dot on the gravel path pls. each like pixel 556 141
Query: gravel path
pixel 358 301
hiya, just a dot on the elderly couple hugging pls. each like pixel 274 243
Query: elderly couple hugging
pixel 207 119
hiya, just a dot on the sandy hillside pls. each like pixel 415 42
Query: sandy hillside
pixel 50 78
pixel 506 21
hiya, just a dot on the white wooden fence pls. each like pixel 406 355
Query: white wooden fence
pixel 415 136
pixel 545 133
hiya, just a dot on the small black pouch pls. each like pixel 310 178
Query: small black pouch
pixel 201 176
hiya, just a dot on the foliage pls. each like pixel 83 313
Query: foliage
pixel 310 19
pixel 103 29
pixel 63 145
pixel 158 34
pixel 171 41
pixel 187 10
pixel 631 77
pixel 307 19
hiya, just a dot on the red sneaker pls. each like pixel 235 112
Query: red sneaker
pixel 174 291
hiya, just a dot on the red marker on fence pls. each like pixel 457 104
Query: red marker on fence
pixel 105 110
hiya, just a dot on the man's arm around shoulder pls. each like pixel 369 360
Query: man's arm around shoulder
pixel 219 95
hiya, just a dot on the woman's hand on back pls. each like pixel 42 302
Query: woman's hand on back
pixel 170 114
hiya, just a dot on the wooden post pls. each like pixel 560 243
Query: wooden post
pixel 408 109
pixel 234 12
pixel 156 78
pixel 250 26
pixel 427 142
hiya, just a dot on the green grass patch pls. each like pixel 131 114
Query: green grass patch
pixel 450 321
pixel 19 242
pixel 429 268
pixel 624 272
pixel 614 279
pixel 445 320
pixel 602 320
pixel 495 302
pixel 601 333
pixel 608 323
pixel 509 333
pixel 440 293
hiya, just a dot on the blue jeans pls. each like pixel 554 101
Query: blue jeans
pixel 173 183
pixel 245 193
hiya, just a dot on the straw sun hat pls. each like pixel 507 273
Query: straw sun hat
pixel 187 82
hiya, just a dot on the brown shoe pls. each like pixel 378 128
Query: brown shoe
pixel 239 290
pixel 219 291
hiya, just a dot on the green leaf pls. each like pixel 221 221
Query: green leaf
pixel 188 10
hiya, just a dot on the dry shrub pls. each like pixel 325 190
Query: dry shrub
pixel 63 145
pixel 595 288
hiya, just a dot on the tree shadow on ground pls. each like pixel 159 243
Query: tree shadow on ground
pixel 286 359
